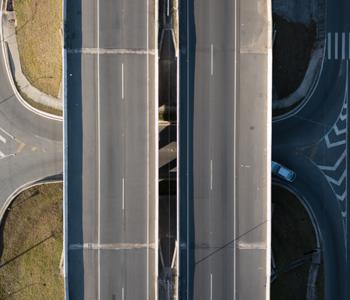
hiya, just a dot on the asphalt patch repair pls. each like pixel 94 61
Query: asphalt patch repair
pixel 292 49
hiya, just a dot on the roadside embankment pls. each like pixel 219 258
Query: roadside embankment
pixel 31 245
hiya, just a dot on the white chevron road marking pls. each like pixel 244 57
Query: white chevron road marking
pixel 336 165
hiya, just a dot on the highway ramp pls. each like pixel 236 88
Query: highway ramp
pixel 111 149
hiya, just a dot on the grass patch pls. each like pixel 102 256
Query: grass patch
pixel 31 245
pixel 293 236
pixel 39 42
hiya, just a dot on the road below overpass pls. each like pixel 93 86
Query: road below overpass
pixel 30 146
pixel 312 140
pixel 224 156
pixel 111 149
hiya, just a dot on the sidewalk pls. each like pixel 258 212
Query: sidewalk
pixel 11 49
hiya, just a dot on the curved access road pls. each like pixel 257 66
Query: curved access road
pixel 314 143
pixel 31 146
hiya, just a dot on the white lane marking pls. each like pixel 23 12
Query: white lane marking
pixel 10 135
pixel 234 153
pixel 339 131
pixel 3 155
pixel 252 246
pixel 123 294
pixel 114 246
pixel 330 144
pixel 99 154
pixel 148 170
pixel 123 194
pixel 339 181
pixel 123 81
pixel 187 156
pixel 2 139
pixel 167 8
pixel 211 286
pixel 95 51
pixel 349 44
pixel 211 174
pixel 211 60
pixel 336 165
pixel 336 45
pixel 329 43
pixel 343 46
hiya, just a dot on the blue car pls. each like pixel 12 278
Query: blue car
pixel 282 172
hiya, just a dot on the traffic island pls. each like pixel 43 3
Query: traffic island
pixel 297 269
pixel 31 243
pixel 32 46
pixel 298 51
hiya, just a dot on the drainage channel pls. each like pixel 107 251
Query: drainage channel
pixel 168 278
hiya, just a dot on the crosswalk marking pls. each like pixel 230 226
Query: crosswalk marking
pixel 338 45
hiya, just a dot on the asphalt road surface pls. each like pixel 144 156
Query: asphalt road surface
pixel 225 181
pixel 111 150
pixel 30 146
pixel 316 148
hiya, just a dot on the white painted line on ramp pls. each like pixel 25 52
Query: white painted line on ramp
pixel 2 139
pixel 10 135
pixel 123 296
pixel 99 155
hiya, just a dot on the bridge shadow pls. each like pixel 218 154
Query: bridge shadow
pixel 73 127
pixel 187 44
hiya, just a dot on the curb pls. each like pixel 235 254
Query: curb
pixel 12 83
pixel 46 180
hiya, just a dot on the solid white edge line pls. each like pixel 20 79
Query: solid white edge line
pixel 65 153
pixel 98 154
pixel 123 295
pixel 211 286
pixel 148 153
pixel 269 154
pixel 349 45
pixel 178 158
pixel 156 155
pixel 156 145
pixel 234 151
pixel 188 155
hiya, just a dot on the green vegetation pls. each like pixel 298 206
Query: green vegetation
pixel 31 246
pixel 39 42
